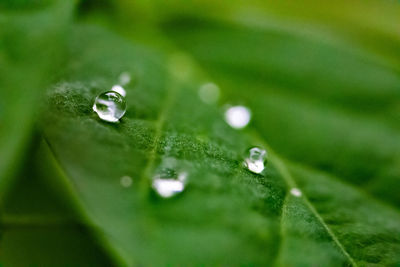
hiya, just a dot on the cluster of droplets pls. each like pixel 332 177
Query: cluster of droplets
pixel 110 106
pixel 167 182
pixel 238 117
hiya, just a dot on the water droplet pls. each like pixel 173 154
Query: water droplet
pixel 255 161
pixel 110 106
pixel 119 89
pixel 237 116
pixel 126 181
pixel 124 78
pixel 296 192
pixel 168 182
pixel 209 93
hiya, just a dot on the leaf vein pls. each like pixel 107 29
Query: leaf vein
pixel 286 175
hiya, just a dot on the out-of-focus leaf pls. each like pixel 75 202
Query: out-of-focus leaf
pixel 38 224
pixel 31 53
pixel 363 32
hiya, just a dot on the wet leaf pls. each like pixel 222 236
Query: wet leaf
pixel 317 102
pixel 322 94
pixel 224 207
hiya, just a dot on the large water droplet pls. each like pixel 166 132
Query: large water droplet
pixel 238 116
pixel 167 182
pixel 255 161
pixel 124 78
pixel 296 192
pixel 209 93
pixel 119 89
pixel 110 106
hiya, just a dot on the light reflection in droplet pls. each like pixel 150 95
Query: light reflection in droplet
pixel 255 161
pixel 209 93
pixel 119 89
pixel 238 116
pixel 296 192
pixel 126 181
pixel 124 78
pixel 168 183
pixel 110 106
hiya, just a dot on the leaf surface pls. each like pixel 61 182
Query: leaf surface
pixel 225 210
pixel 323 92
pixel 316 102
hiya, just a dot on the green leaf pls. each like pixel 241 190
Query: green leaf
pixel 39 225
pixel 331 222
pixel 324 97
pixel 225 210
pixel 31 50
pixel 317 102
pixel 366 231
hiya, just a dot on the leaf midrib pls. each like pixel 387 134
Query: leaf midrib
pixel 287 177
pixel 171 94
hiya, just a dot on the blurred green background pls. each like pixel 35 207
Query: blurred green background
pixel 322 81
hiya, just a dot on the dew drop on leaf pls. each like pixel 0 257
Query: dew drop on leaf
pixel 296 192
pixel 255 161
pixel 119 89
pixel 110 106
pixel 237 116
pixel 167 182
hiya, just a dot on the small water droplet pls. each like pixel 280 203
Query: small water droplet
pixel 126 181
pixel 124 78
pixel 237 116
pixel 255 161
pixel 119 89
pixel 167 182
pixel 296 192
pixel 209 93
pixel 110 106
